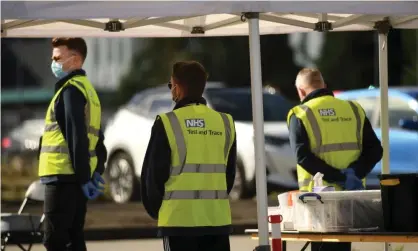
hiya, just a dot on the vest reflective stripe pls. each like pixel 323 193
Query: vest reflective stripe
pixel 194 168
pixel 54 151
pixel 227 132
pixel 358 123
pixel 55 127
pixel 333 147
pixel 61 149
pixel 178 134
pixel 196 195
pixel 87 108
pixel 181 147
pixel 314 124
pixel 51 127
pixel 198 168
pixel 343 140
pixel 337 147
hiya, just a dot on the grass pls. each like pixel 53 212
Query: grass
pixel 17 174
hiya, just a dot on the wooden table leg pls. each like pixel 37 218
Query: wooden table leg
pixel 284 245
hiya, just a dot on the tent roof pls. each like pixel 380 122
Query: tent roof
pixel 181 18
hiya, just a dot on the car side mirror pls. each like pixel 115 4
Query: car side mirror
pixel 409 124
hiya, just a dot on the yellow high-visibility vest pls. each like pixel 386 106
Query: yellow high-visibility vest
pixel 335 131
pixel 54 157
pixel 196 192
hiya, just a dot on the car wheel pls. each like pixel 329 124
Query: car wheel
pixel 240 190
pixel 123 184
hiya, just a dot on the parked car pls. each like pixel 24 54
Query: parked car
pixel 403 124
pixel 128 133
pixel 23 139
pixel 19 151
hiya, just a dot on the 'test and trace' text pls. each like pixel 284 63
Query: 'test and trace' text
pixel 204 132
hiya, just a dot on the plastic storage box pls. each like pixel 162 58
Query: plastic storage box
pixel 339 211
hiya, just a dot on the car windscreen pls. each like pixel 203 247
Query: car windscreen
pixel 237 103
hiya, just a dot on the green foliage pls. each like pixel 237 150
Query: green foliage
pixel 226 59
pixel 409 74
pixel 350 59
pixel 347 60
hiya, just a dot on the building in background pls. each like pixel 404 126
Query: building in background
pixel 306 47
pixel 108 60
pixel 26 62
pixel 27 84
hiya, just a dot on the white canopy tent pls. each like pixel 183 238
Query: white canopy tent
pixel 194 18
pixel 218 18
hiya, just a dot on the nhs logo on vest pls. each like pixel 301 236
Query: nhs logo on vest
pixel 327 112
pixel 199 123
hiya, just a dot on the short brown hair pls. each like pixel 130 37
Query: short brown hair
pixel 73 43
pixel 192 76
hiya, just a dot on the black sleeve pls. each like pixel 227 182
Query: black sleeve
pixel 299 142
pixel 101 153
pixel 73 127
pixel 231 165
pixel 371 153
pixel 155 169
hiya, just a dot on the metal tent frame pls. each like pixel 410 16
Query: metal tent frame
pixel 205 18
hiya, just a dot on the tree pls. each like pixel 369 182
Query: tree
pixel 226 59
pixel 347 60
pixel 350 59
pixel 409 43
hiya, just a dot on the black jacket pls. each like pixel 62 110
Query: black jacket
pixel 371 151
pixel 69 113
pixel 156 171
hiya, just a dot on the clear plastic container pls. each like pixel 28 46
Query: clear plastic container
pixel 288 218
pixel 338 211
pixel 287 213
pixel 286 209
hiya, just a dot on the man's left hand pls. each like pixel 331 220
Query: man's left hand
pixel 352 182
pixel 97 179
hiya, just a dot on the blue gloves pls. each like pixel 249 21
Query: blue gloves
pixel 93 189
pixel 97 179
pixel 352 182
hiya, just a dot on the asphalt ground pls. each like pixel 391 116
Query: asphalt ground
pixel 111 226
pixel 238 243
pixel 108 215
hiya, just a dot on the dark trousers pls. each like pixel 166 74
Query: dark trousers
pixel 196 243
pixel 330 246
pixel 65 209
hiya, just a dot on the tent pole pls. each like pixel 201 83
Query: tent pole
pixel 383 28
pixel 384 102
pixel 384 106
pixel 258 125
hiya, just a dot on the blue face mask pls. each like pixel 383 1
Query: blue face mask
pixel 57 69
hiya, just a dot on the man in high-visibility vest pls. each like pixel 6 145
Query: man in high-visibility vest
pixel 333 137
pixel 72 154
pixel 189 167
